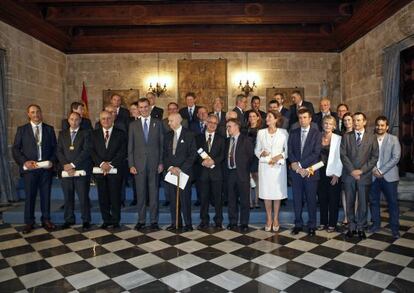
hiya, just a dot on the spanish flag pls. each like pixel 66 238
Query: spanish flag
pixel 84 98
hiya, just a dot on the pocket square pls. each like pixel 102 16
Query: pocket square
pixel 182 141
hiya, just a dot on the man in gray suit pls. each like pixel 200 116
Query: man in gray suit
pixel 145 143
pixel 359 154
pixel 386 177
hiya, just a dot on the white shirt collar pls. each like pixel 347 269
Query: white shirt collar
pixel 76 130
pixel 208 133
pixel 109 130
pixel 34 125
pixel 305 128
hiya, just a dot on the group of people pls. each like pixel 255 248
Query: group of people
pixel 225 154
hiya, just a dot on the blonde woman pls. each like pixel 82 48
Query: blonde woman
pixel 271 150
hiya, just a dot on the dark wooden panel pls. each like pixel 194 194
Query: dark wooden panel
pixel 207 12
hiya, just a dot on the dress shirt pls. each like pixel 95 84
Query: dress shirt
pixel 235 145
pixel 39 147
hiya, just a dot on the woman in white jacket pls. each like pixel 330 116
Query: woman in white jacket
pixel 271 149
pixel 329 187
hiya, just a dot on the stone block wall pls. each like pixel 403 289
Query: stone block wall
pixel 362 63
pixel 124 71
pixel 36 73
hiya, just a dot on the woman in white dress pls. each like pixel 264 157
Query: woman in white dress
pixel 271 149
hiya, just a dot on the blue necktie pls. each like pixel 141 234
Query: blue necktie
pixel 146 130
pixel 358 141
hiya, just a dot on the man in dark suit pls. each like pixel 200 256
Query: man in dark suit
pixel 297 103
pixel 210 178
pixel 218 111
pixel 189 112
pixel 179 155
pixel 73 153
pixel 156 112
pixel 240 109
pixel 78 108
pixel 172 108
pixel 304 147
pixel 122 114
pixel 199 126
pixel 255 106
pixel 274 105
pixel 34 142
pixel 134 115
pixel 280 97
pixel 325 109
pixel 341 109
pixel 239 154
pixel 359 155
pixel 109 150
pixel 120 124
pixel 145 143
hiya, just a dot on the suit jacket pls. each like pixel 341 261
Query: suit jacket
pixel 216 153
pixel 141 154
pixel 221 127
pixel 317 118
pixel 116 152
pixel 85 124
pixel 364 157
pixel 196 127
pixel 166 128
pixel 157 113
pixel 185 115
pixel 242 117
pixel 389 156
pixel 285 112
pixel 25 148
pixel 122 119
pixel 80 156
pixel 293 116
pixel 311 151
pixel 244 156
pixel 185 152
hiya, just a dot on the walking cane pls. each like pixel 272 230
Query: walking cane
pixel 177 203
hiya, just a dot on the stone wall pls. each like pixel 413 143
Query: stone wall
pixel 124 71
pixel 35 74
pixel 362 63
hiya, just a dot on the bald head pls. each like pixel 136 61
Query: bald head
pixel 174 121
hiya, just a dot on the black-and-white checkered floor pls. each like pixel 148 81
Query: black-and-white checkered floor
pixel 126 260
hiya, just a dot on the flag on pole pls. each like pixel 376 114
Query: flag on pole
pixel 84 98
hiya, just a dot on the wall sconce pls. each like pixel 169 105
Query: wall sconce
pixel 246 88
pixel 158 89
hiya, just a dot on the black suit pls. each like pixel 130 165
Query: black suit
pixel 186 115
pixel 109 186
pixel 80 157
pixel 122 119
pixel 184 159
pixel 293 115
pixel 238 180
pixel 85 124
pixel 157 113
pixel 242 117
pixel 25 149
pixel 197 128
pixel 211 180
pixel 318 119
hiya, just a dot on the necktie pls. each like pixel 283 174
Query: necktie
pixel 38 143
pixel 106 138
pixel 175 141
pixel 190 113
pixel 72 137
pixel 146 129
pixel 218 115
pixel 209 142
pixel 358 141
pixel 202 127
pixel 231 154
pixel 302 140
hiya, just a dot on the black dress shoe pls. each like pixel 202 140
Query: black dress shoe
pixel 296 230
pixel 311 232
pixel 86 226
pixel 350 234
pixel 28 228
pixel 231 226
pixel 154 226
pixel 105 225
pixel 139 226
pixel 133 203
pixel 188 228
pixel 171 227
pixel 361 235
pixel 116 226
pixel 202 226
pixel 244 228
pixel 66 225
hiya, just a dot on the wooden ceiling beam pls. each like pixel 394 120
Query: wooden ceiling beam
pixel 182 13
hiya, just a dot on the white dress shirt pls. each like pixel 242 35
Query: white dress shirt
pixel 39 146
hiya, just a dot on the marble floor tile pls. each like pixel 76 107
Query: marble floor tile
pixel 325 278
pixel 154 245
pixel 227 246
pixel 23 258
pixel 353 259
pixel 134 279
pixel 7 274
pixel 311 259
pixel 87 278
pixel 79 245
pixel 145 260
pixel 277 279
pixel 190 246
pixel 265 246
pixel 46 244
pixel 270 260
pixel 372 277
pixel 228 261
pixel 63 259
pixel 41 277
pixel 229 280
pixel 301 245
pixel 407 274
pixel 336 244
pixel 181 280
pixel 186 261
pixel 104 260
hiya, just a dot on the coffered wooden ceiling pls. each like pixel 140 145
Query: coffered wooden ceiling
pixel 92 26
